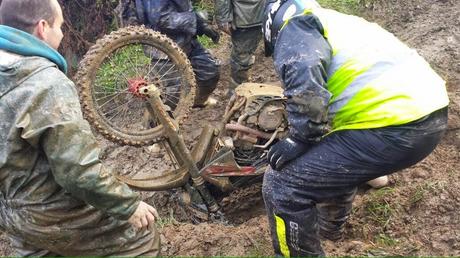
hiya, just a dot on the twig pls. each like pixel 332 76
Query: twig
pixel 77 34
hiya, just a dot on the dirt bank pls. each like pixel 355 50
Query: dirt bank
pixel 416 216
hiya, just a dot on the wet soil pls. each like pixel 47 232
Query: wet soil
pixel 417 215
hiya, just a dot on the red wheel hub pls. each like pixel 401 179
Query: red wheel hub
pixel 135 84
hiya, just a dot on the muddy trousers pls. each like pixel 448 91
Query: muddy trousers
pixel 311 197
pixel 207 72
pixel 93 234
pixel 245 42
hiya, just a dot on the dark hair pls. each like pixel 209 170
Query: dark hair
pixel 25 14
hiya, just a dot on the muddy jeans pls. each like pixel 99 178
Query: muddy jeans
pixel 312 195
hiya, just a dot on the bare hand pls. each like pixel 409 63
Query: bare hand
pixel 225 27
pixel 144 216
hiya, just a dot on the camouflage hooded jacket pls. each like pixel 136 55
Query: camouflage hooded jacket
pixel 49 165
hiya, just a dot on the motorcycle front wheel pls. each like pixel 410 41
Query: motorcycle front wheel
pixel 116 67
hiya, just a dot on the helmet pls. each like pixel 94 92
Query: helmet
pixel 276 13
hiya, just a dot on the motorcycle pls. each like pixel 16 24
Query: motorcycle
pixel 136 88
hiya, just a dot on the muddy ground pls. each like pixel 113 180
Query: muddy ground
pixel 417 215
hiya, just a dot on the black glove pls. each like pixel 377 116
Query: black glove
pixel 203 28
pixel 284 151
pixel 225 27
pixel 212 34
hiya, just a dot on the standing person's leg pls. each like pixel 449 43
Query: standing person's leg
pixel 207 73
pixel 316 190
pixel 245 42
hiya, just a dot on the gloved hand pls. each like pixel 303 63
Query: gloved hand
pixel 226 27
pixel 284 151
pixel 203 28
pixel 212 34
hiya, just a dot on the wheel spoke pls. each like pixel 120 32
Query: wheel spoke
pixel 108 101
pixel 167 72
pixel 120 107
pixel 171 79
pixel 107 96
pixel 169 95
pixel 118 66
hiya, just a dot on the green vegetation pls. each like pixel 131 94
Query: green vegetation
pixel 206 42
pixel 346 6
pixel 379 206
pixel 421 190
pixel 126 63
pixel 99 3
pixel 385 240
pixel 258 248
pixel 208 7
pixel 164 221
pixel 205 5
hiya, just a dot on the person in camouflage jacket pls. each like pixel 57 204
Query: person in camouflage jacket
pixel 56 196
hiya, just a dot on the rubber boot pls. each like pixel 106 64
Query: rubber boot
pixel 231 88
pixel 379 182
pixel 238 75
pixel 202 98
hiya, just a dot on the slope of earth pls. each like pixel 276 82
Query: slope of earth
pixel 417 215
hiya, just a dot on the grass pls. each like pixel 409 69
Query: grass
pixel 385 240
pixel 125 63
pixel 346 6
pixel 379 206
pixel 205 5
pixel 164 221
pixel 206 42
pixel 421 190
pixel 259 248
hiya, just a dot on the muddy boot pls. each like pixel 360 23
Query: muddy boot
pixel 379 182
pixel 238 76
pixel 333 214
pixel 202 98
pixel 232 84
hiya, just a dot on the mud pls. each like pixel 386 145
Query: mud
pixel 416 216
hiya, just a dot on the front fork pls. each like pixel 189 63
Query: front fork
pixel 179 148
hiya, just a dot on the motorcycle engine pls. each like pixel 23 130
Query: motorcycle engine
pixel 255 118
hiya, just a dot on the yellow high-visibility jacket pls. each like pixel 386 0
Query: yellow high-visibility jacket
pixel 363 75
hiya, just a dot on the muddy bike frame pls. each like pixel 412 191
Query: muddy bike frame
pixel 211 161
pixel 181 153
